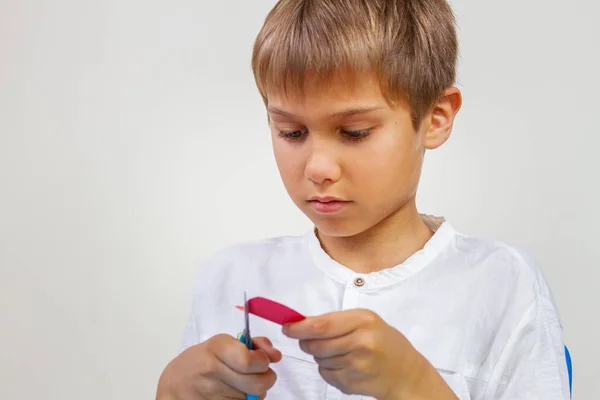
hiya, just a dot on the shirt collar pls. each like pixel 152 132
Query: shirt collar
pixel 443 235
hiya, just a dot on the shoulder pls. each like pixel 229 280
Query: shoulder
pixel 509 274
pixel 472 256
pixel 245 261
pixel 521 316
pixel 500 260
pixel 255 251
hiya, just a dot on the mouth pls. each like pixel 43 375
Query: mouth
pixel 327 199
pixel 328 204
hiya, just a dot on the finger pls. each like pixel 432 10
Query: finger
pixel 335 363
pixel 208 383
pixel 224 382
pixel 245 371
pixel 334 378
pixel 264 344
pixel 236 356
pixel 326 348
pixel 255 384
pixel 217 388
pixel 330 325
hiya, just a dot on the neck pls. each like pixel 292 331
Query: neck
pixel 385 245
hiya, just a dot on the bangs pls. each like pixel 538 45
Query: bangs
pixel 410 46
pixel 309 52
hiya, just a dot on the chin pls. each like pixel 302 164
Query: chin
pixel 339 227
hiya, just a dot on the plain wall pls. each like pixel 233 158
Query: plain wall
pixel 133 144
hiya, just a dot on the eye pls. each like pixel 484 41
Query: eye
pixel 293 135
pixel 356 135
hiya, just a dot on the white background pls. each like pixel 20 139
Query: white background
pixel 133 144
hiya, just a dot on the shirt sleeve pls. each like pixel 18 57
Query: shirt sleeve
pixel 190 334
pixel 532 364
pixel 207 276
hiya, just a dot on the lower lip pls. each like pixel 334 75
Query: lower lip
pixel 329 207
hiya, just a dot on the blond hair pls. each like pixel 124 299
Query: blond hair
pixel 410 45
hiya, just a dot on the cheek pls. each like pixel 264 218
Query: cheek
pixel 391 163
pixel 280 151
pixel 288 162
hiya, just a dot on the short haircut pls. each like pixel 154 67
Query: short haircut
pixel 410 45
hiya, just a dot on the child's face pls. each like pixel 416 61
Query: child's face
pixel 346 142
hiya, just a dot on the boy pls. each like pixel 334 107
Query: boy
pixel 401 305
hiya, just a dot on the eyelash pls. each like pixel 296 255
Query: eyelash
pixel 354 136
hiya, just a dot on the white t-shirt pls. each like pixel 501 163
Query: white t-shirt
pixel 480 311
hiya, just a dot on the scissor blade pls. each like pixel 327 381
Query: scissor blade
pixel 246 320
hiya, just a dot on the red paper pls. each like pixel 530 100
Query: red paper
pixel 272 311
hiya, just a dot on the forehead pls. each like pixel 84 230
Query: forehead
pixel 330 95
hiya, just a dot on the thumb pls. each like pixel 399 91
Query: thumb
pixel 264 344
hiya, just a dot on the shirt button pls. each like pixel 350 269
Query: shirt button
pixel 358 282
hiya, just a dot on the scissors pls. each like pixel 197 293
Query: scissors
pixel 246 338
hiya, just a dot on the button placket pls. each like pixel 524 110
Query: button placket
pixel 350 300
pixel 355 287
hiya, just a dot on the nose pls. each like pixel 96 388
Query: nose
pixel 322 164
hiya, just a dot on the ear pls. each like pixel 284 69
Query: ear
pixel 441 118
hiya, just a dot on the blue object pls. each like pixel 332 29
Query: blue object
pixel 246 338
pixel 570 369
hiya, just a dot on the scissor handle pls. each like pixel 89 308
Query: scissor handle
pixel 243 340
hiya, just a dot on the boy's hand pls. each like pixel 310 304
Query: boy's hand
pixel 220 368
pixel 359 353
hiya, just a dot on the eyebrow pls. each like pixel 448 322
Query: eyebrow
pixel 344 113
